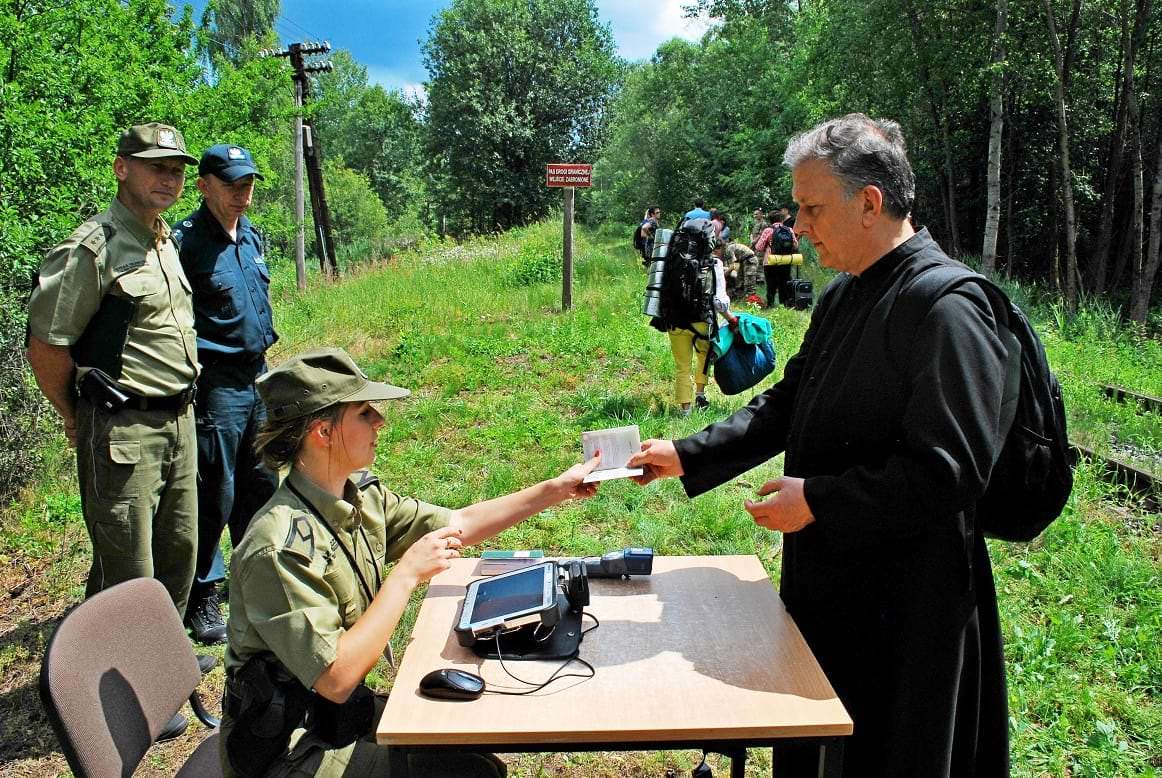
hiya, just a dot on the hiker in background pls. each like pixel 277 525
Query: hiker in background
pixel 688 321
pixel 718 223
pixel 646 230
pixel 697 212
pixel 741 267
pixel 785 216
pixel 776 276
pixel 886 456
pixel 758 224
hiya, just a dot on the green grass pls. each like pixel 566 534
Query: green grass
pixel 503 384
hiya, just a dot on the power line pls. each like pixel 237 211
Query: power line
pixel 303 31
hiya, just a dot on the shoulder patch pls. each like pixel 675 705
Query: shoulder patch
pixel 301 535
pixel 364 479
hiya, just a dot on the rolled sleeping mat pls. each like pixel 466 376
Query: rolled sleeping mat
pixel 652 303
pixel 785 259
pixel 661 243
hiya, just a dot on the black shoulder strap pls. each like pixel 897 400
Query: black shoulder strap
pixel 931 283
pixel 346 551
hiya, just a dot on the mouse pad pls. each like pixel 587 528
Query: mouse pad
pixel 562 643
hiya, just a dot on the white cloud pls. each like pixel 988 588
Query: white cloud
pixel 640 27
pixel 394 78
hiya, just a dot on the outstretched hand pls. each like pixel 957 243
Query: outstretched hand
pixel 787 511
pixel 571 482
pixel 659 459
pixel 431 554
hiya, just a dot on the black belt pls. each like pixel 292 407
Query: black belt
pixel 174 402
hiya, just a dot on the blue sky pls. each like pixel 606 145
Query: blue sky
pixel 385 35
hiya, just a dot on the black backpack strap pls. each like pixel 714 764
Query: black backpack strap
pixel 916 298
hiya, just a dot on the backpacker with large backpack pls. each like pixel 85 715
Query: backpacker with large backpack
pixel 688 283
pixel 1033 475
pixel 639 242
pixel 783 240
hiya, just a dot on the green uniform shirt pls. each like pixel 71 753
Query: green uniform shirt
pixel 292 589
pixel 736 252
pixel 114 253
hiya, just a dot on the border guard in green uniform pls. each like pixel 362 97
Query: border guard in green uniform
pixel 312 601
pixel 113 348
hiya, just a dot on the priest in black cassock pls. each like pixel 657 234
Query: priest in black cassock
pixel 889 437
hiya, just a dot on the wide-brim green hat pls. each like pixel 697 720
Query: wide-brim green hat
pixel 319 379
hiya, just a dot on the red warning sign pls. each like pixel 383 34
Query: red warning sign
pixel 568 174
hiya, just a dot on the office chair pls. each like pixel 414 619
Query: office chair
pixel 117 669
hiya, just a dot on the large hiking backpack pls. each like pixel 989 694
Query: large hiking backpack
pixel 639 243
pixel 688 277
pixel 1033 476
pixel 783 240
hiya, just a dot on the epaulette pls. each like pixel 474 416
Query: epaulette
pixel 364 478
pixel 185 225
pixel 96 236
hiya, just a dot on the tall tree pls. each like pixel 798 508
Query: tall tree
pixel 1147 271
pixel 228 26
pixel 1061 65
pixel 988 259
pixel 374 131
pixel 1133 31
pixel 513 84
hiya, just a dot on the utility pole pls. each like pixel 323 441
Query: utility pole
pixel 307 152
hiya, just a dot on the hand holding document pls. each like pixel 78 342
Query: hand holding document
pixel 616 445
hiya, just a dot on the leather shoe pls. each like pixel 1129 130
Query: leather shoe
pixel 176 726
pixel 204 619
pixel 207 663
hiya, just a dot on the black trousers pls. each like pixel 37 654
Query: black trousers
pixel 777 277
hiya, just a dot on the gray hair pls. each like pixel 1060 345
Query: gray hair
pixel 861 152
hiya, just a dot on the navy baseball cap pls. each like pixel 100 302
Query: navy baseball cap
pixel 228 163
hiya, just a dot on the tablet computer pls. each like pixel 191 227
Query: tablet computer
pixel 509 601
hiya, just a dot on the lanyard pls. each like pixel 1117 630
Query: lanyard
pixel 346 551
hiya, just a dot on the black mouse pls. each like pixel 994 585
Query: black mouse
pixel 448 683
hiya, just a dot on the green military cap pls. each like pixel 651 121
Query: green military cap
pixel 153 141
pixel 316 380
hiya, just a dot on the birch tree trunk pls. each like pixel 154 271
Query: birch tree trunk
pixel 1071 290
pixel 996 129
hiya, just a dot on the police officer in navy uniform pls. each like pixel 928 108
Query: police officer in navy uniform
pixel 222 255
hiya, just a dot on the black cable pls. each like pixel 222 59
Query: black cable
pixel 557 674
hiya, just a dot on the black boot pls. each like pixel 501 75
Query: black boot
pixel 204 618
pixel 175 727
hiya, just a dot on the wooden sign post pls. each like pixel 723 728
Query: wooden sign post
pixel 568 176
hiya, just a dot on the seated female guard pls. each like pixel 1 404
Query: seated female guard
pixel 310 607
